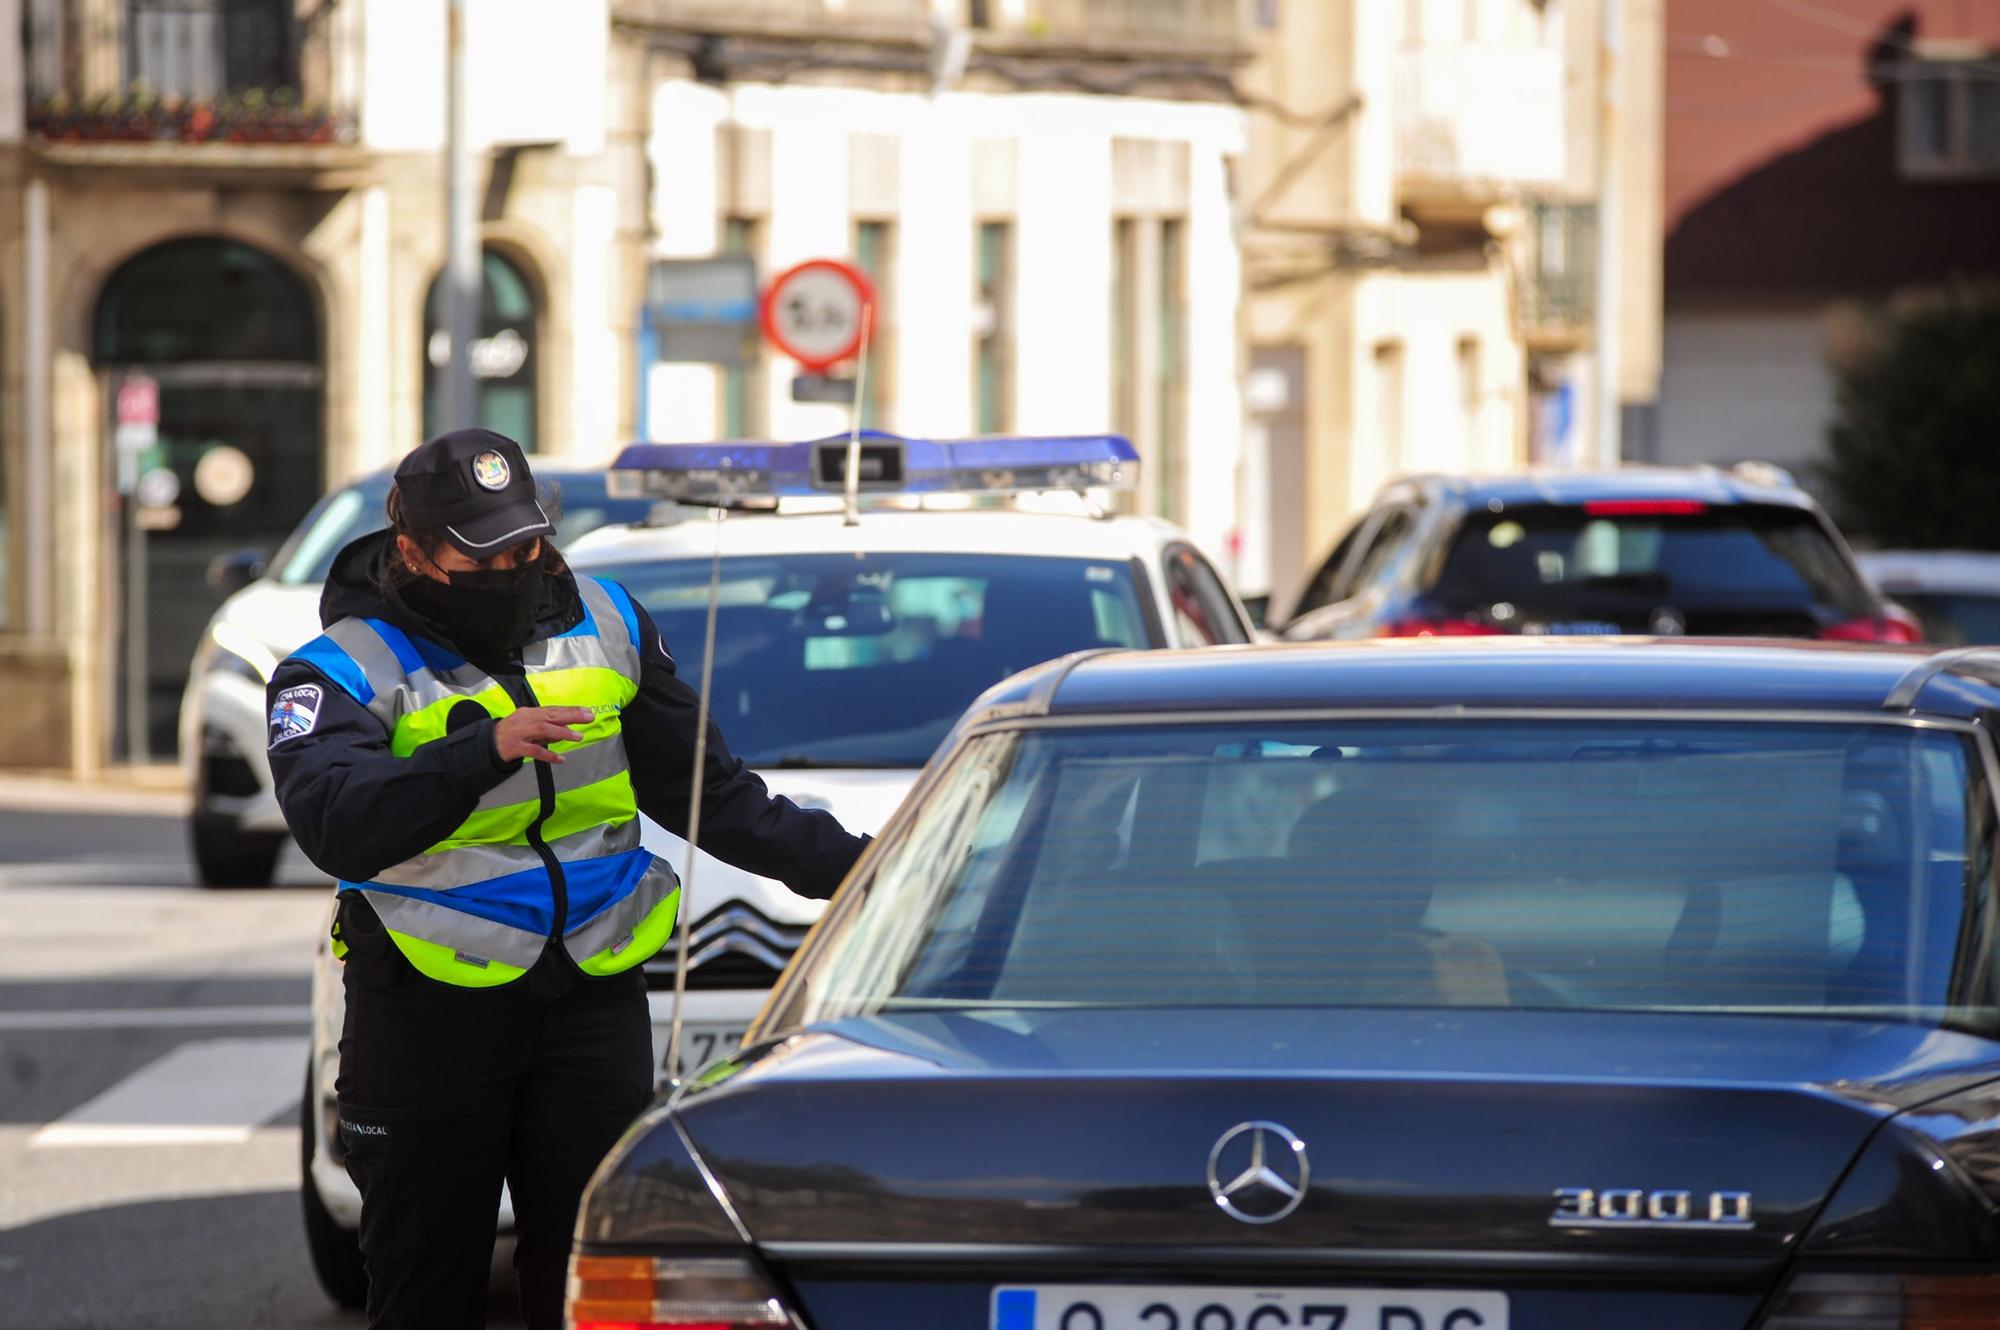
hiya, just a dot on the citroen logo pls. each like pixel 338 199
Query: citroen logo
pixel 1258 1172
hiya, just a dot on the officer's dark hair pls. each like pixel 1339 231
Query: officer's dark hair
pixel 393 572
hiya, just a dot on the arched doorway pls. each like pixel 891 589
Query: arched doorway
pixel 504 362
pixel 229 338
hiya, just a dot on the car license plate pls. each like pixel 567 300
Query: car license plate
pixel 1142 1307
pixel 703 1044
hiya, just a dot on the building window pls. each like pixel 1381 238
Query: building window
pixel 993 330
pixel 875 254
pixel 1470 392
pixel 743 386
pixel 1951 118
pixel 503 354
pixel 1170 333
pixel 207 48
pixel 1389 403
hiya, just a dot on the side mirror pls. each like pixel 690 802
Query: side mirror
pixel 231 572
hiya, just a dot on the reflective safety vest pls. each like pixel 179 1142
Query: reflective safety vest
pixel 551 847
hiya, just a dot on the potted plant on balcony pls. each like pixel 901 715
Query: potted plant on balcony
pixel 141 113
pixel 55 118
pixel 198 121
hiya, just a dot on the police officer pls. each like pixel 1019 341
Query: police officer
pixel 467 749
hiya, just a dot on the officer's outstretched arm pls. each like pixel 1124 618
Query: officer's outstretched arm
pixel 742 822
pixel 354 807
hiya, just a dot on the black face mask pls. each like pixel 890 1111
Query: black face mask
pixel 490 612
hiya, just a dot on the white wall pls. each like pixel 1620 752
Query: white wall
pixel 13 74
pixel 1429 314
pixel 1745 384
pixel 538 73
pixel 1062 215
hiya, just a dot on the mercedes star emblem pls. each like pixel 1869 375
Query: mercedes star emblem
pixel 1258 1172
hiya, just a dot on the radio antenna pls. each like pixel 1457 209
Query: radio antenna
pixel 853 506
pixel 684 913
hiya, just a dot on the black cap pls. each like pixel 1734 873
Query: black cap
pixel 475 486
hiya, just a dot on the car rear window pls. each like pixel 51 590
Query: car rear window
pixel 1769 868
pixel 1679 551
pixel 865 660
pixel 1953 618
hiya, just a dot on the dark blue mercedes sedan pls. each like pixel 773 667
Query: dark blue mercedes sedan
pixel 1491 985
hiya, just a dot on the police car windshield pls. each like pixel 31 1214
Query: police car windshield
pixel 578 501
pixel 843 660
pixel 1802 869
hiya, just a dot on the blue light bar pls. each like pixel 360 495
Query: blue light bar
pixel 758 474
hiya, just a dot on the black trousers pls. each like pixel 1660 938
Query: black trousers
pixel 446 1091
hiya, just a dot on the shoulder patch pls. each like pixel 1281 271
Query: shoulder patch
pixel 295 711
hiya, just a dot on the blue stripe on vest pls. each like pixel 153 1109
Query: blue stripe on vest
pixel 519 900
pixel 399 643
pixel 586 626
pixel 623 600
pixel 324 654
pixel 595 885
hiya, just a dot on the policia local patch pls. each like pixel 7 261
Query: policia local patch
pixel 295 712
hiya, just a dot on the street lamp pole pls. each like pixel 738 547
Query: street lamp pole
pixel 459 405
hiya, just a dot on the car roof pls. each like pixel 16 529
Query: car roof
pixel 996 532
pixel 1706 484
pixel 1933 570
pixel 1512 673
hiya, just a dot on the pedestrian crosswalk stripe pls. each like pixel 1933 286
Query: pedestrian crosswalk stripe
pixel 210 1091
pixel 132 1018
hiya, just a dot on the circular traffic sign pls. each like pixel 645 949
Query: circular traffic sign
pixel 815 313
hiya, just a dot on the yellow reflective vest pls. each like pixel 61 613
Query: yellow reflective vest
pixel 550 853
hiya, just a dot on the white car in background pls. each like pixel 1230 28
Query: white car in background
pixel 1955 593
pixel 844 653
pixel 235 830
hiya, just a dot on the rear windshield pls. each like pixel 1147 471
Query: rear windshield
pixel 865 660
pixel 579 504
pixel 1769 868
pixel 1689 554
pixel 1953 618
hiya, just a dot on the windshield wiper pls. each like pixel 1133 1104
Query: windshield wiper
pixel 806 762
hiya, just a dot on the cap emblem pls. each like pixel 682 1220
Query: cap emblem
pixel 490 470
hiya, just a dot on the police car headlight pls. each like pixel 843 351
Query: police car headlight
pixel 679 1290
pixel 236 652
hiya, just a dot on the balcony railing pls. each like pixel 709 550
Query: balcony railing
pixel 192 71
pixel 1479 118
pixel 1210 26
pixel 1557 273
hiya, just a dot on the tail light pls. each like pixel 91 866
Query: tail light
pixel 1888 1302
pixel 1893 625
pixel 670 1293
pixel 1437 628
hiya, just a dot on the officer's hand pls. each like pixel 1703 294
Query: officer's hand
pixel 529 731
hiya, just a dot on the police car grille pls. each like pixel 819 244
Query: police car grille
pixel 730 947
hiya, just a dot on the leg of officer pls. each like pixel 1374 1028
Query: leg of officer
pixel 428 1075
pixel 592 1074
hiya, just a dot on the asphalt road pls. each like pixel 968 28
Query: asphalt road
pixel 152 1045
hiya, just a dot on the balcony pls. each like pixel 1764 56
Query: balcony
pixel 1124 29
pixel 795 19
pixel 191 71
pixel 1108 26
pixel 1478 124
pixel 1556 275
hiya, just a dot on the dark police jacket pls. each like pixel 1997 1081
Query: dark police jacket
pixel 356 809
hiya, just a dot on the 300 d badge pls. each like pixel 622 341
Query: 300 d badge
pixel 1631 1207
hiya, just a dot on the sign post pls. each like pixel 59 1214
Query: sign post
pixel 137 433
pixel 820 313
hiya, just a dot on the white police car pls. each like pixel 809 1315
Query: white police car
pixel 844 653
pixel 235 830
